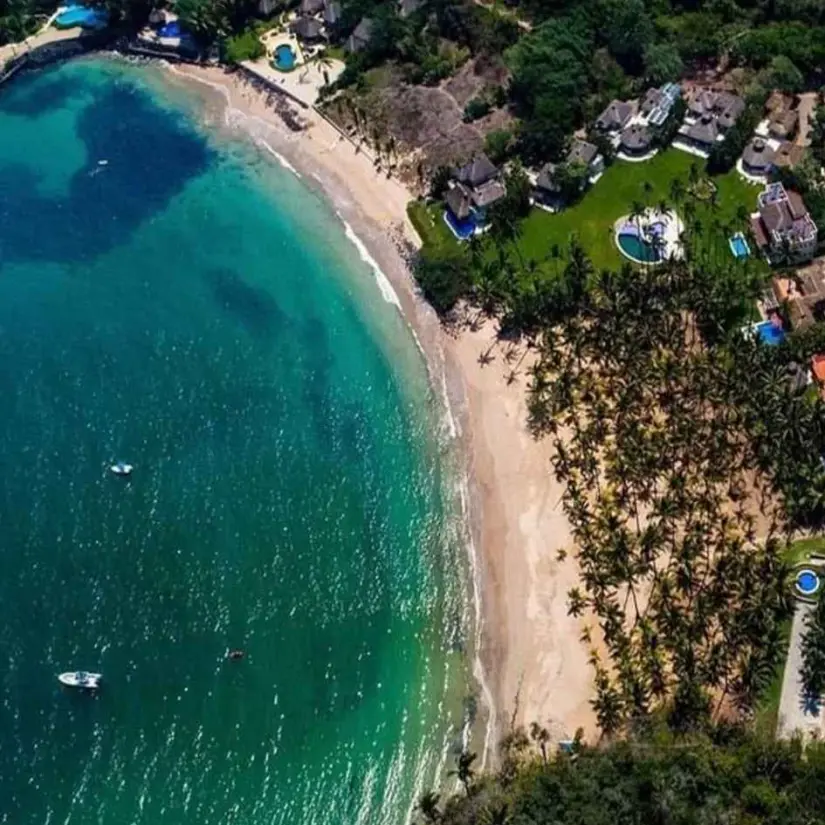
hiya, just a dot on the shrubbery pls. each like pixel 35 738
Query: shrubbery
pixel 244 46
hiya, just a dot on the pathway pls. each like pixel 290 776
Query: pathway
pixel 793 715
pixel 43 37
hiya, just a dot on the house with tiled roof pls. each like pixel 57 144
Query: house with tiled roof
pixel 709 116
pixel 475 187
pixel 783 228
pixel 615 117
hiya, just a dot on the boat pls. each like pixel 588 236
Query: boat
pixel 80 679
pixel 121 469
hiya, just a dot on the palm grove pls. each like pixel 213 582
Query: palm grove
pixel 689 459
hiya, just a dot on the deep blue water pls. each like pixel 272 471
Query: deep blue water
pixel 183 305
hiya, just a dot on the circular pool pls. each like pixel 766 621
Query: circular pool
pixel 284 59
pixel 807 582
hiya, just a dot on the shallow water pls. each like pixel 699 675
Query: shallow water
pixel 184 305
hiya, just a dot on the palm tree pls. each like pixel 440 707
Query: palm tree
pixel 541 737
pixel 498 814
pixel 647 188
pixel 677 190
pixel 464 769
pixel 428 805
pixel 637 212
pixel 694 174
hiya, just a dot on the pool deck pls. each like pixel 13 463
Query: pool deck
pixel 794 716
pixel 304 82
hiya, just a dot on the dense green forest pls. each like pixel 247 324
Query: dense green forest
pixel 723 777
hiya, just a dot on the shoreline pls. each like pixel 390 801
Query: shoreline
pixel 528 661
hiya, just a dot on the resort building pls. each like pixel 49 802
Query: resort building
pixel 316 19
pixel 546 189
pixel 783 116
pixel 783 228
pixel 309 8
pixel 332 15
pixel 657 104
pixel 803 296
pixel 636 139
pixel 475 187
pixel 788 155
pixel 709 115
pixel 360 37
pixel 759 158
pixel 818 371
pixel 615 117
pixel 308 29
pixel 586 154
pixel 408 7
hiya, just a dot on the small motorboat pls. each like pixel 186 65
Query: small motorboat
pixel 121 469
pixel 80 679
pixel 235 655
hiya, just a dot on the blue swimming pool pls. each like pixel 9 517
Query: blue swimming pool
pixel 284 58
pixel 82 16
pixel 462 229
pixel 807 582
pixel 171 29
pixel 739 246
pixel 638 250
pixel 770 333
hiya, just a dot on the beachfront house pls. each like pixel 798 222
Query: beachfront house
pixel 783 116
pixel 802 296
pixel 658 103
pixel 360 37
pixel 783 228
pixel 547 189
pixel 586 154
pixel 759 158
pixel 636 140
pixel 308 29
pixel 409 7
pixel 709 116
pixel 475 187
pixel 615 117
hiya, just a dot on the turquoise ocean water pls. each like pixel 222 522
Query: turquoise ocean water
pixel 180 303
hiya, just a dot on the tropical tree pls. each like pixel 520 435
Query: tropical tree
pixel 813 653
pixel 428 806
pixel 464 770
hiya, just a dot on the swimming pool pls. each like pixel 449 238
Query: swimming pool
pixel 807 582
pixel 171 29
pixel 739 246
pixel 638 250
pixel 770 333
pixel 284 59
pixel 82 16
pixel 462 229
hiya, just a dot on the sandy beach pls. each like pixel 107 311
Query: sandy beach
pixel 531 664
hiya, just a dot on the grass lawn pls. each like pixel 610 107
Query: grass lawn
pixel 768 709
pixel 428 221
pixel 592 218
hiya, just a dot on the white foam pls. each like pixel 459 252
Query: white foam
pixel 384 285
pixel 278 156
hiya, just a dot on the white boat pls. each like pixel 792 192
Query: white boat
pixel 121 469
pixel 80 679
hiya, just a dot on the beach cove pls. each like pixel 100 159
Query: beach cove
pixel 509 569
pixel 530 663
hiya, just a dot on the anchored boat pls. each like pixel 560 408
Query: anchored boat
pixel 80 679
pixel 121 469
